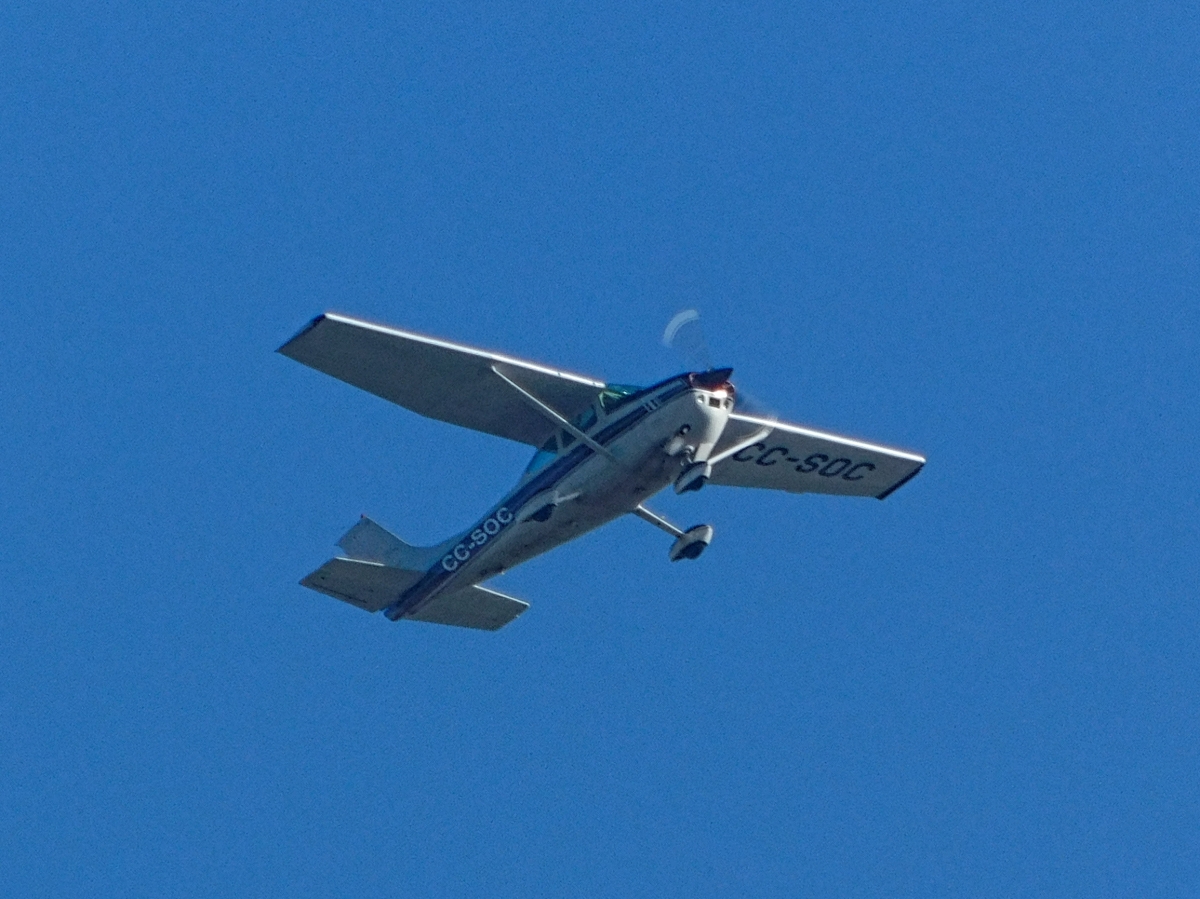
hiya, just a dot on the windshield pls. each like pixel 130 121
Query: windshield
pixel 610 398
pixel 615 395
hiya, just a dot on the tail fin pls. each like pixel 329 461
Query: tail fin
pixel 379 568
pixel 369 542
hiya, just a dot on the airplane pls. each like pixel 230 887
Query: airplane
pixel 602 450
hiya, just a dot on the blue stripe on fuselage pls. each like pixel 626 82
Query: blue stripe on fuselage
pixel 437 577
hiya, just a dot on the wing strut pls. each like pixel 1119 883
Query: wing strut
pixel 657 520
pixel 552 415
pixel 742 444
pixel 688 544
pixel 446 381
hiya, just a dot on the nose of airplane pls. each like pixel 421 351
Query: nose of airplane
pixel 711 379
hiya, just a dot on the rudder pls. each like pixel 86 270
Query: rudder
pixel 370 542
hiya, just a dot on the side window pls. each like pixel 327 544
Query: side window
pixel 585 419
pixel 543 457
pixel 615 395
pixel 565 439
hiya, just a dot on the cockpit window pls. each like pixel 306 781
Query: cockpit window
pixel 615 395
pixel 585 419
pixel 543 457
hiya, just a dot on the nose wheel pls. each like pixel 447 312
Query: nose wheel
pixel 693 477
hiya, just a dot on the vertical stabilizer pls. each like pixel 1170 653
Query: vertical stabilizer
pixel 369 542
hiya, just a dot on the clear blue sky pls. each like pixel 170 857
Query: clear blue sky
pixel 969 232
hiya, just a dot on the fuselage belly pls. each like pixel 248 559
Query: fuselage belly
pixel 580 490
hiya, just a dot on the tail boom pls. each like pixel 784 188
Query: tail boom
pixel 380 569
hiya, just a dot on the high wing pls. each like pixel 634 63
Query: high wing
pixel 801 460
pixel 439 379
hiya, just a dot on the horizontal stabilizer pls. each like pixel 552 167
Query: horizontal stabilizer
pixel 368 585
pixel 476 607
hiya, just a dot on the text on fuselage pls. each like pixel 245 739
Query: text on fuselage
pixel 488 529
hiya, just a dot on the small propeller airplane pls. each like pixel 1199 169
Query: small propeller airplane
pixel 602 451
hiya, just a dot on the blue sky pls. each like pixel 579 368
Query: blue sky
pixel 969 232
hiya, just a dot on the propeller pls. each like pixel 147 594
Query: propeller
pixel 685 335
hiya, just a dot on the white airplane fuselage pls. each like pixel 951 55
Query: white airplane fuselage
pixel 647 441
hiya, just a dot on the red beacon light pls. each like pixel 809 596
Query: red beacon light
pixel 713 379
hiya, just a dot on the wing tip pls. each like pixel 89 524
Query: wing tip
pixel 900 483
pixel 299 334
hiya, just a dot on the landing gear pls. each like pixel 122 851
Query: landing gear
pixel 544 513
pixel 691 543
pixel 697 470
pixel 678 443
pixel 693 477
pixel 688 544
